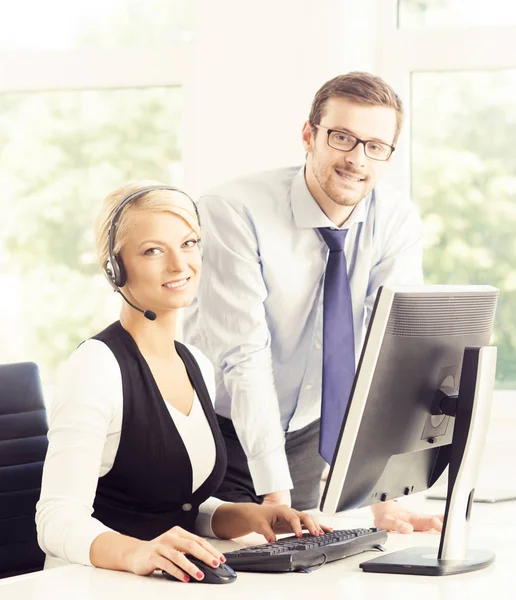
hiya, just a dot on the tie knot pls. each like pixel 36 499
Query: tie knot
pixel 334 238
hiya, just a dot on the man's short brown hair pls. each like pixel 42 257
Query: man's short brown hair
pixel 359 87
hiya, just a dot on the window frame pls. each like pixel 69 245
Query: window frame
pixel 32 71
pixel 402 51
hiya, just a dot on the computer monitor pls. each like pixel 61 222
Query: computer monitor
pixel 420 401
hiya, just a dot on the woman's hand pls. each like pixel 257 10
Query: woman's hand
pixel 234 520
pixel 166 552
pixel 271 519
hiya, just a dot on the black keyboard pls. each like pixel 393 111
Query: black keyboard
pixel 306 553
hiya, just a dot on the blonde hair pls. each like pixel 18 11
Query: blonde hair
pixel 359 87
pixel 175 202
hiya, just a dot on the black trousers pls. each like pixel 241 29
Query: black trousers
pixel 305 464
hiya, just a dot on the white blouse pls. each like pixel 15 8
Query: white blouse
pixel 85 422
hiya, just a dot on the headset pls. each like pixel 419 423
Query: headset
pixel 114 270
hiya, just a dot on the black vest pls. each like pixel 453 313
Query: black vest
pixel 149 488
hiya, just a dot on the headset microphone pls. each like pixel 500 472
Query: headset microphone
pixel 108 272
pixel 148 314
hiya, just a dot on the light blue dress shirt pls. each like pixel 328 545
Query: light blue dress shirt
pixel 258 311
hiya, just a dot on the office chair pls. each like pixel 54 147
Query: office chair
pixel 23 445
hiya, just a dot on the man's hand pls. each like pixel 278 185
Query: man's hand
pixel 392 516
pixel 278 498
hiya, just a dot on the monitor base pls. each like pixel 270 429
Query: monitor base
pixel 424 561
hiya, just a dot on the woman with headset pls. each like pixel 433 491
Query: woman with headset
pixel 135 454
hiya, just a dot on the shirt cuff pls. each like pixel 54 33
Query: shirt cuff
pixel 270 473
pixel 206 511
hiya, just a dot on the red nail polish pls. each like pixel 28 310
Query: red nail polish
pixel 300 534
pixel 271 540
pixel 215 563
pixel 199 575
pixel 186 578
pixel 222 559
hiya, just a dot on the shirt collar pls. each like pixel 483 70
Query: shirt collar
pixel 308 214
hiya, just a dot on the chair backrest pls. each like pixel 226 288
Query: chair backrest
pixel 23 445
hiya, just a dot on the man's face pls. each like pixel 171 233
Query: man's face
pixel 345 178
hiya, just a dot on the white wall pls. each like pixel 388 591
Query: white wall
pixel 256 68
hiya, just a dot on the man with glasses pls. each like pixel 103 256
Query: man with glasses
pixel 292 263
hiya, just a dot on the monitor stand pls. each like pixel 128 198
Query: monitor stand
pixel 471 410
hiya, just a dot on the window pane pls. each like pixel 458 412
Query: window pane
pixel 464 180
pixel 60 154
pixel 456 13
pixel 72 24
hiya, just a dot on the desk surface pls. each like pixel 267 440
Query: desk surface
pixel 491 529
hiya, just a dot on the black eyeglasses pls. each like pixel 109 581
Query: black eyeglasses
pixel 345 142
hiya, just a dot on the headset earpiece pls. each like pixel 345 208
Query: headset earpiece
pixel 119 271
pixel 115 273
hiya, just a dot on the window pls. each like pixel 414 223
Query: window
pixel 455 155
pixel 456 13
pixel 464 181
pixel 62 152
pixel 91 96
pixel 63 25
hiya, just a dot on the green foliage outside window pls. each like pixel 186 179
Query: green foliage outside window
pixel 464 181
pixel 61 154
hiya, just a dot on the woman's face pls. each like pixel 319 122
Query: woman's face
pixel 162 260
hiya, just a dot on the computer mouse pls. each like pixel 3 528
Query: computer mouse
pixel 220 574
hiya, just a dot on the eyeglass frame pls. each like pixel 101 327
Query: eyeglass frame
pixel 358 141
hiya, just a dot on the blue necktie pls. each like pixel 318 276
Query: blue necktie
pixel 338 342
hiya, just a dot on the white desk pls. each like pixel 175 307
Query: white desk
pixel 492 528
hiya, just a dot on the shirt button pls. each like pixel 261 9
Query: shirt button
pixel 308 387
pixel 187 506
pixel 318 346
